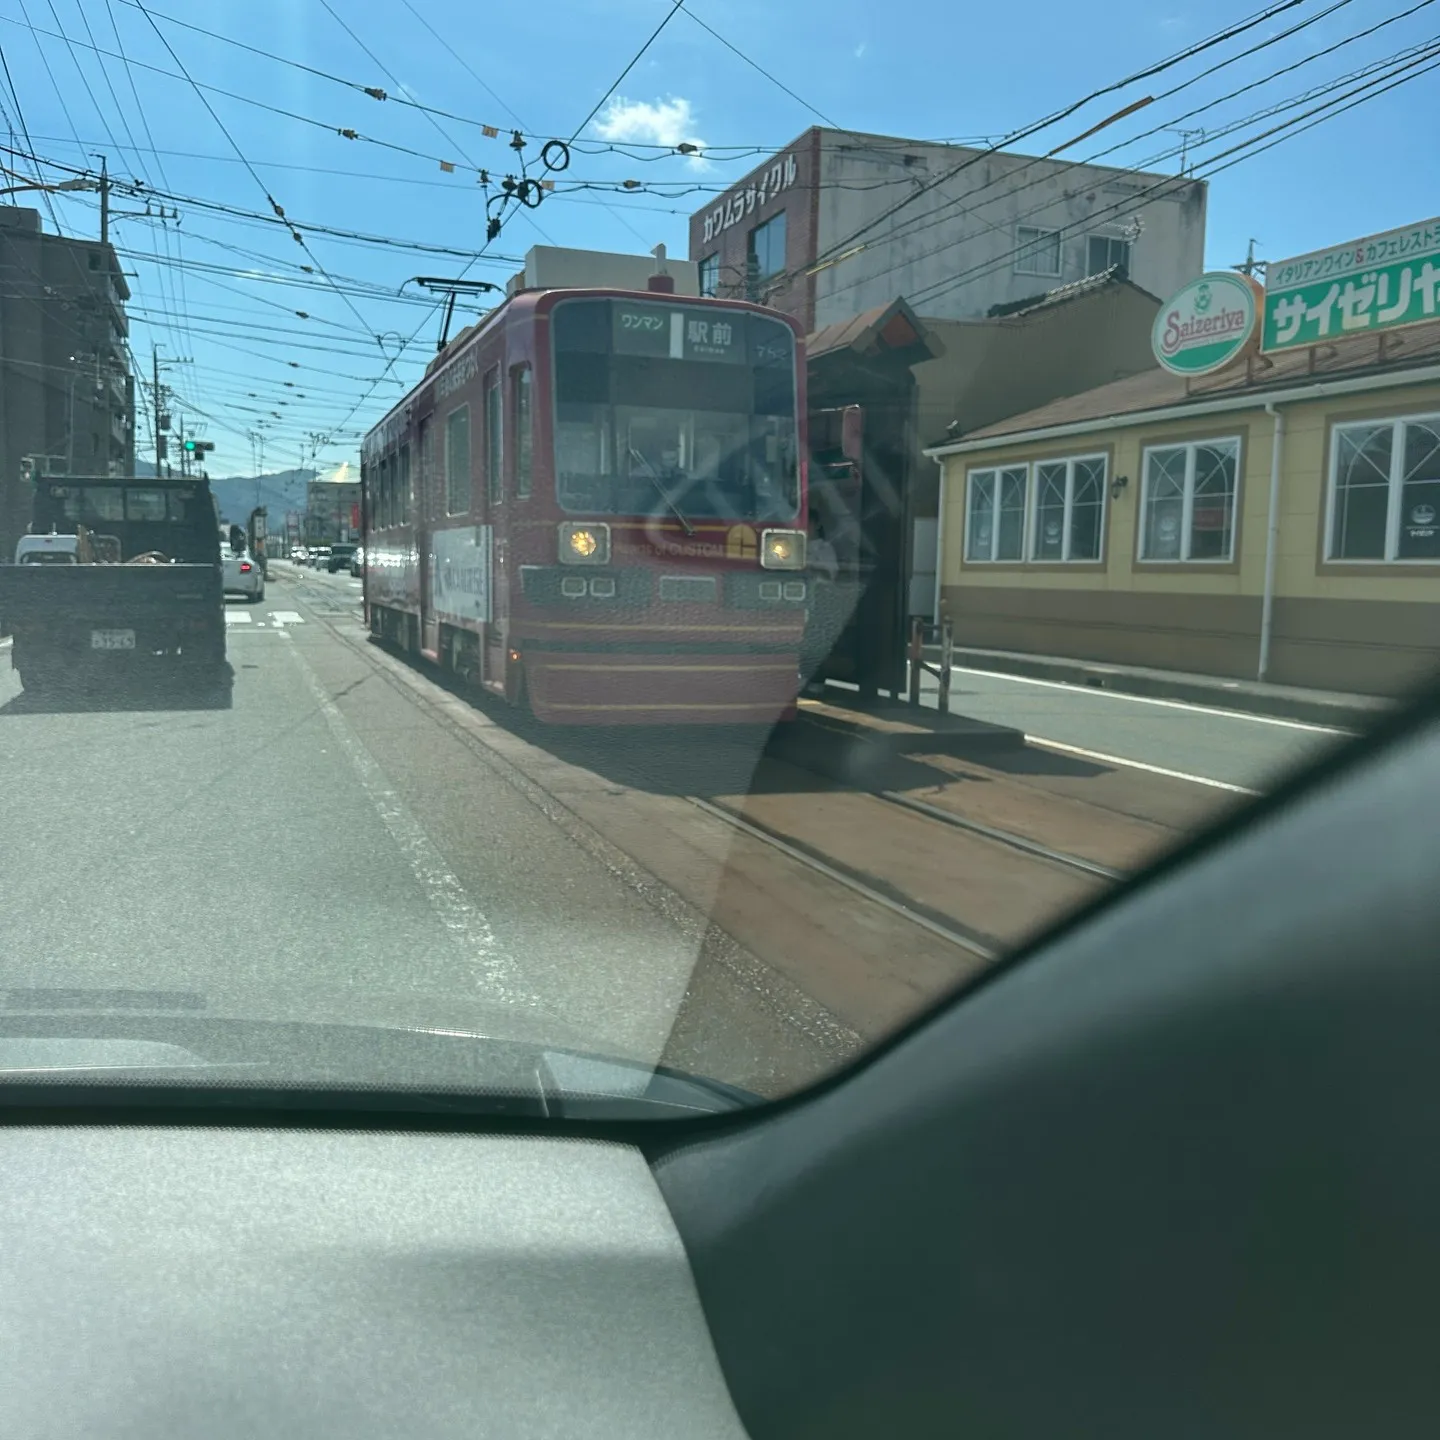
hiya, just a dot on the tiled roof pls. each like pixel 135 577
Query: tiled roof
pixel 1157 389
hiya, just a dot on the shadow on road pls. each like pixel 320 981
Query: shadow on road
pixel 120 694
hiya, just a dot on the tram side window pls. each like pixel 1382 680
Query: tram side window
pixel 426 505
pixel 494 448
pixel 382 497
pixel 457 461
pixel 523 444
pixel 403 485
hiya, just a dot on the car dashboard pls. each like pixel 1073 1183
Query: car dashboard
pixel 169 1281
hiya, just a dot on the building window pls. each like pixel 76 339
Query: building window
pixel 995 514
pixel 524 446
pixel 1105 252
pixel 1069 509
pixel 765 254
pixel 710 275
pixel 1039 251
pixel 1385 491
pixel 1187 501
pixel 457 461
pixel 494 450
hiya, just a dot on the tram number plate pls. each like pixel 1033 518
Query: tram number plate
pixel 112 639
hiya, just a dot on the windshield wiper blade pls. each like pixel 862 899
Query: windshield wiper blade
pixel 664 493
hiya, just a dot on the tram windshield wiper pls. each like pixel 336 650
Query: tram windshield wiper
pixel 664 493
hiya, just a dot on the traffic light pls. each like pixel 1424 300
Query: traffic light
pixel 199 447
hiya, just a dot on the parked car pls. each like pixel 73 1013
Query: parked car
pixel 242 574
pixel 357 563
pixel 339 558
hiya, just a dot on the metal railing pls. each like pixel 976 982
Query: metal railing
pixel 920 666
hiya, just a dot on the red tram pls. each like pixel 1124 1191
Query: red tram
pixel 594 504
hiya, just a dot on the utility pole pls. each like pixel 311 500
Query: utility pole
pixel 104 202
pixel 1250 264
pixel 159 406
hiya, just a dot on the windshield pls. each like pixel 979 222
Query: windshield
pixel 694 405
pixel 750 516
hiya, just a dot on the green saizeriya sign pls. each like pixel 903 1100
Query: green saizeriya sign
pixel 1378 283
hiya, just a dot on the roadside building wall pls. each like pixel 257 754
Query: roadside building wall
pixel 950 251
pixel 1365 627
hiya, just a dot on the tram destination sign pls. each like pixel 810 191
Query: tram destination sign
pixel 1380 282
pixel 676 333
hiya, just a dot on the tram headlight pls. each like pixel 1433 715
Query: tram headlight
pixel 584 543
pixel 782 549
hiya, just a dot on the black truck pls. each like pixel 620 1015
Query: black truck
pixel 142 594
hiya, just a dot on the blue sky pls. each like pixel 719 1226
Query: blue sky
pixel 222 289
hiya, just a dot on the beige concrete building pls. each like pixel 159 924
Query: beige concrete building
pixel 1279 519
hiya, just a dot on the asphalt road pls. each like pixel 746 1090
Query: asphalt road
pixel 1225 749
pixel 321 849
pixel 347 841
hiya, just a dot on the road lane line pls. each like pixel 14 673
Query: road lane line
pixel 467 923
pixel 281 618
pixel 1152 700
pixel 239 617
pixel 1141 765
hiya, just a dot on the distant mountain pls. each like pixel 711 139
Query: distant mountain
pixel 237 496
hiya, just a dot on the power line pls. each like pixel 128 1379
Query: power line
pixel 124 125
pixel 1219 37
pixel 1243 149
pixel 434 123
pixel 25 131
pixel 460 60
pixel 254 174
pixel 1007 197
pixel 634 61
pixel 760 69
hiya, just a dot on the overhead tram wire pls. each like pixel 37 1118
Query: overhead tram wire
pixel 254 174
pixel 272 221
pixel 761 70
pixel 434 123
pixel 474 75
pixel 465 65
pixel 635 60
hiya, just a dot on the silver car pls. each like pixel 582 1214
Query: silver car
pixel 242 574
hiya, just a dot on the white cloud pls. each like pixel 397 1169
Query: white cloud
pixel 645 122
pixel 861 48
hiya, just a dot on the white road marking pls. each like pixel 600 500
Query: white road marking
pixel 1152 700
pixel 239 617
pixel 357 584
pixel 1141 765
pixel 281 618
pixel 466 922
pixel 7 642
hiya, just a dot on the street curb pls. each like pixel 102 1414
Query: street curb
pixel 1357 712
